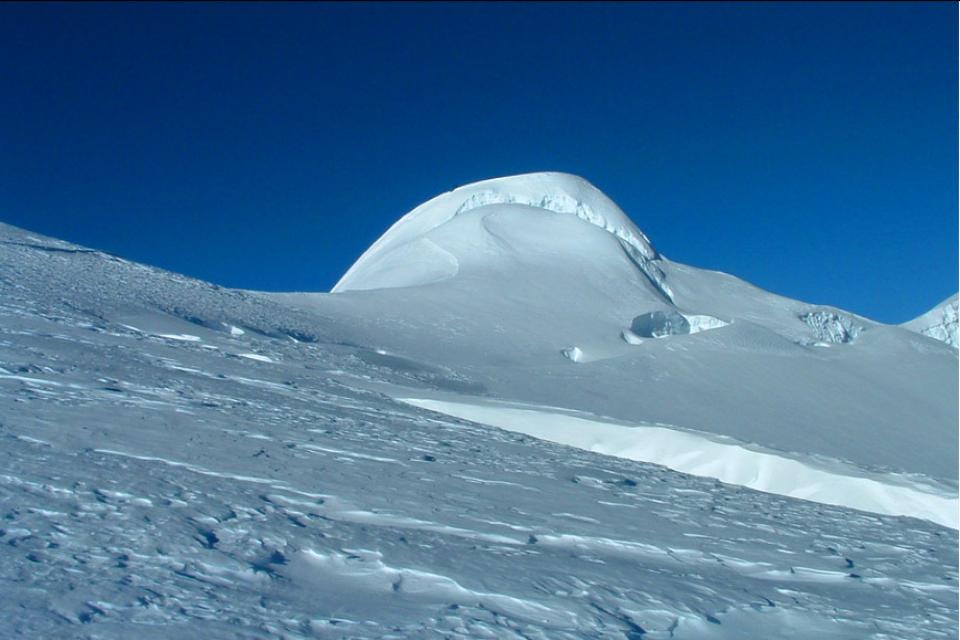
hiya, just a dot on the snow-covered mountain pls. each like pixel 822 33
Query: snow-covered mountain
pixel 543 294
pixel 940 323
pixel 457 443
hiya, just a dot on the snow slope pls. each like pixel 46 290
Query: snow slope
pixel 701 455
pixel 940 323
pixel 157 482
pixel 182 459
pixel 540 291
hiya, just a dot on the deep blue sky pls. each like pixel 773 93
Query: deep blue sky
pixel 808 148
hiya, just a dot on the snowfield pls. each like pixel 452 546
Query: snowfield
pixel 473 437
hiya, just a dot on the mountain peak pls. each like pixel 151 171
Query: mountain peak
pixel 410 253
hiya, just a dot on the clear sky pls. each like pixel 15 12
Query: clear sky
pixel 808 148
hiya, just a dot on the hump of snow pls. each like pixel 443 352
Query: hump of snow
pixel 400 257
pixel 940 323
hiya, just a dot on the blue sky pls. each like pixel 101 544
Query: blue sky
pixel 808 148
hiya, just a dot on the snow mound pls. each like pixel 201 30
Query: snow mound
pixel 396 259
pixel 832 327
pixel 940 323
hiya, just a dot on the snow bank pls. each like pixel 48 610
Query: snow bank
pixel 733 463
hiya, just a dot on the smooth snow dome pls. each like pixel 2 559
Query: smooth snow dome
pixel 405 256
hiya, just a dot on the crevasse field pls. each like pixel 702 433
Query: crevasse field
pixel 512 418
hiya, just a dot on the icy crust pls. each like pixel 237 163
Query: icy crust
pixel 701 322
pixel 940 323
pixel 555 192
pixel 661 324
pixel 832 327
pixel 658 324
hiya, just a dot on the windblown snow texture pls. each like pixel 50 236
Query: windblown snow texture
pixel 180 459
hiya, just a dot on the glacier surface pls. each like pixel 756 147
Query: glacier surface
pixel 940 323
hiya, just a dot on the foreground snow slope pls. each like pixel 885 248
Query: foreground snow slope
pixel 158 482
pixel 701 455
pixel 541 292
pixel 940 323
